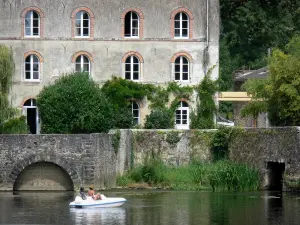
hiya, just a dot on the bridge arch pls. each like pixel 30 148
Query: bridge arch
pixel 35 160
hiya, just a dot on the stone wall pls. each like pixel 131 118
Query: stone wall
pixel 174 147
pixel 258 147
pixel 86 158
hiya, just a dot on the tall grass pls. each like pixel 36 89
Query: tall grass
pixel 220 176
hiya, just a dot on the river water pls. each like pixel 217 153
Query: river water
pixel 155 208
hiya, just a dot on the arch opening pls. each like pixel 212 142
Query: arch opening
pixel 275 175
pixel 43 176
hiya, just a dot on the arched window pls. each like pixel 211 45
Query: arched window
pixel 132 68
pixel 182 116
pixel 31 113
pixel 131 24
pixel 181 68
pixel 82 24
pixel 32 68
pixel 32 24
pixel 135 108
pixel 181 25
pixel 82 64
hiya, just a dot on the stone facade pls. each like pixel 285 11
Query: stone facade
pixel 57 47
pixel 83 159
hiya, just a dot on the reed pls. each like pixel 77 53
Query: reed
pixel 218 176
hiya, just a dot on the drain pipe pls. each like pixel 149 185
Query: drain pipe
pixel 207 37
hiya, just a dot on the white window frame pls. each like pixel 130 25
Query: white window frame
pixel 181 69
pixel 180 26
pixel 182 108
pixel 131 27
pixel 31 25
pixel 82 64
pixel 132 67
pixel 132 111
pixel 81 25
pixel 31 63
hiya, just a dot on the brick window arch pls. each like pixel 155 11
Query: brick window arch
pixel 182 24
pixel 136 23
pixel 32 66
pixel 82 60
pixel 181 67
pixel 132 63
pixel 83 23
pixel 32 24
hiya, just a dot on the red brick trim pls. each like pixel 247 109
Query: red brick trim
pixel 87 54
pixel 41 14
pixel 140 57
pixel 187 55
pixel 141 21
pixel 41 59
pixel 92 22
pixel 191 21
pixel 25 99
pixel 184 100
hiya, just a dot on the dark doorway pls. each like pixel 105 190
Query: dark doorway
pixel 275 174
pixel 31 119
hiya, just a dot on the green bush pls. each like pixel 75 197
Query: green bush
pixel 75 104
pixel 160 119
pixel 15 126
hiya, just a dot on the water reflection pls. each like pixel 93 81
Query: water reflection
pixel 116 216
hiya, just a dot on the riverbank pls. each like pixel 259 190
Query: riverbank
pixel 222 175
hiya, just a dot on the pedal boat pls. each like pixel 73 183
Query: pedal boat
pixel 90 202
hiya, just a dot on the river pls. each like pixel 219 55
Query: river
pixel 155 208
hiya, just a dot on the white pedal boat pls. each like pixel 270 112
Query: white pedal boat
pixel 104 203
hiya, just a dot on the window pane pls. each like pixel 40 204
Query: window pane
pixel 78 67
pixel 85 15
pixel 135 105
pixel 85 31
pixel 135 32
pixel 185 68
pixel 35 14
pixel 27 31
pixel 184 60
pixel 78 59
pixel 78 16
pixel 35 67
pixel 184 117
pixel 184 121
pixel 184 32
pixel 127 67
pixel 127 25
pixel 177 76
pixel 184 16
pixel 85 23
pixel 135 113
pixel 27 59
pixel 177 68
pixel 27 66
pixel 135 59
pixel 36 23
pixel 177 17
pixel 185 76
pixel 134 15
pixel 184 104
pixel 35 31
pixel 177 121
pixel 127 76
pixel 27 76
pixel 136 121
pixel 77 23
pixel 85 59
pixel 27 22
pixel 135 75
pixel 185 24
pixel 28 15
pixel 86 68
pixel 136 68
pixel 128 60
pixel 78 32
pixel 35 75
pixel 177 24
pixel 135 24
pixel 177 33
pixel 177 61
pixel 35 59
pixel 33 102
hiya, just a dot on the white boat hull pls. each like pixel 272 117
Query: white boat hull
pixel 105 203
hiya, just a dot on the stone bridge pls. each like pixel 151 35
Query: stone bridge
pixel 56 162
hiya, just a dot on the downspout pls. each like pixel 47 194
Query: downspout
pixel 207 38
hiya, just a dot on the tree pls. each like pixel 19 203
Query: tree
pixel 75 104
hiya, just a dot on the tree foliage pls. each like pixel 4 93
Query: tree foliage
pixel 75 104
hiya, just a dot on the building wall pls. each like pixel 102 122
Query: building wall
pixel 106 48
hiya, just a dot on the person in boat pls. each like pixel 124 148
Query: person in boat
pixel 82 194
pixel 91 193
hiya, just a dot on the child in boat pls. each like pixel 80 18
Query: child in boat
pixel 91 193
pixel 82 194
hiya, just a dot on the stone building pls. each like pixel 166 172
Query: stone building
pixel 145 41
